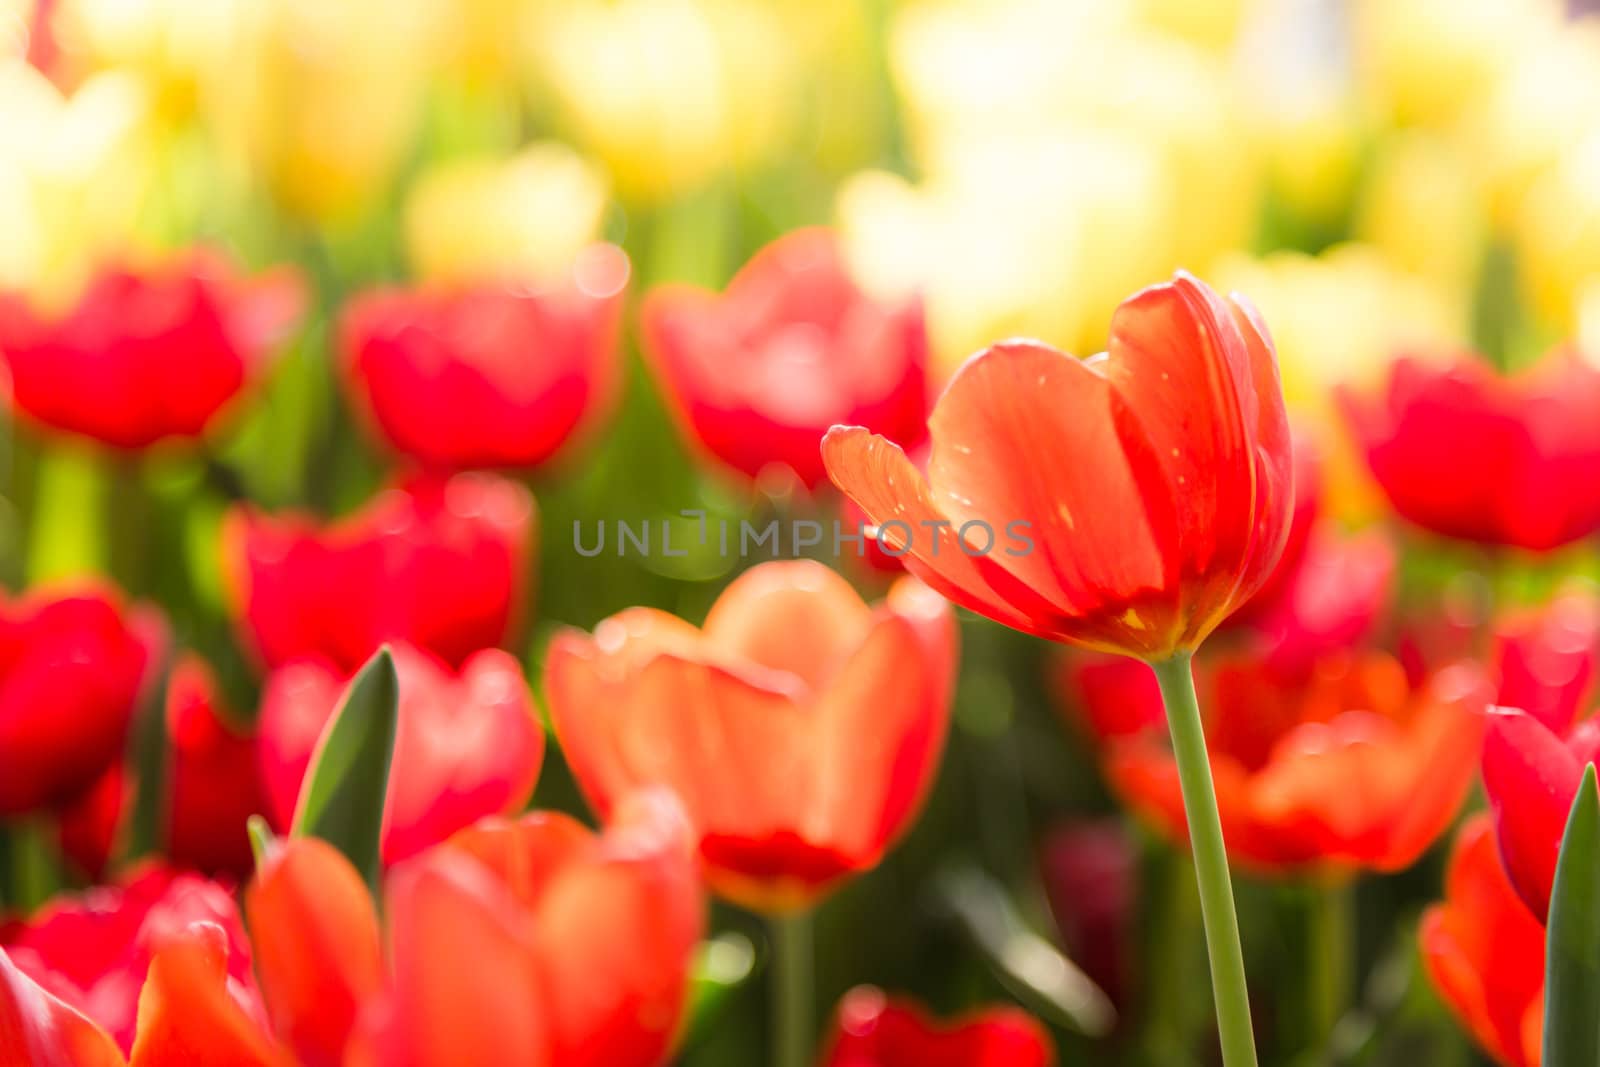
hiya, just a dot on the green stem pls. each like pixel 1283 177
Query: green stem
pixel 1210 860
pixel 67 538
pixel 1331 919
pixel 792 990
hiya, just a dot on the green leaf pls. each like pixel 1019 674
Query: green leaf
pixel 148 746
pixel 263 842
pixel 1033 969
pixel 1572 947
pixel 341 800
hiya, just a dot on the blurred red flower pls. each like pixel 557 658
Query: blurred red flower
pixel 467 744
pixel 441 563
pixel 801 727
pixel 73 665
pixel 1531 774
pixel 488 376
pixel 146 354
pixel 531 942
pixel 1333 601
pixel 874 1031
pixel 214 785
pixel 1467 453
pixel 1484 951
pixel 1155 481
pixel 93 951
pixel 1090 871
pixel 793 346
pixel 40 1030
pixel 1350 768
pixel 1544 658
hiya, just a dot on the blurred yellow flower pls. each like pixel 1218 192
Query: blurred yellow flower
pixel 1424 209
pixel 527 216
pixel 321 100
pixel 75 172
pixel 1558 239
pixel 1038 238
pixel 1338 319
pixel 669 94
pixel 972 72
pixel 1426 62
pixel 165 43
pixel 1214 24
pixel 1544 105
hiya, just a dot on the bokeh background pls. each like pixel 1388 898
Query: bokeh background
pixel 1381 176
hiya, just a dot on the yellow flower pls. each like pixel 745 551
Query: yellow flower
pixel 1426 62
pixel 1338 319
pixel 669 94
pixel 75 173
pixel 1039 238
pixel 1558 239
pixel 319 100
pixel 165 43
pixel 1213 24
pixel 1424 209
pixel 527 216
pixel 1022 70
pixel 1543 106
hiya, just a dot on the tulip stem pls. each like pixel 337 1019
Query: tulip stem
pixel 1332 921
pixel 1221 921
pixel 792 991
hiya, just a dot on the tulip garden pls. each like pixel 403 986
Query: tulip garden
pixel 922 533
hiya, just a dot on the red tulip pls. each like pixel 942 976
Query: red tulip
pixel 1545 659
pixel 1303 522
pixel 1469 454
pixel 488 376
pixel 94 951
pixel 213 787
pixel 1153 484
pixel 1531 775
pixel 531 942
pixel 1484 951
pixel 873 1031
pixel 72 667
pixel 40 1030
pixel 442 564
pixel 467 745
pixel 800 726
pixel 1351 769
pixel 758 373
pixel 147 354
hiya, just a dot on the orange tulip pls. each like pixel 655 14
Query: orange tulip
pixel 800 726
pixel 1154 483
pixel 1484 951
pixel 1350 769
pixel 532 942
pixel 318 953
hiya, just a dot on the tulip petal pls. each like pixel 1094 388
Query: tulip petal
pixel 617 930
pixel 317 946
pixel 466 987
pixel 1024 432
pixel 188 1017
pixel 1530 777
pixel 796 616
pixel 37 1030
